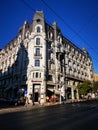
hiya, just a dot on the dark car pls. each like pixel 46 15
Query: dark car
pixel 12 101
pixel 20 101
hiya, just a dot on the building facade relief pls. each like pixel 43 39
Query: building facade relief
pixel 40 62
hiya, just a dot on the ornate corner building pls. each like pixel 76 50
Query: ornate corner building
pixel 41 62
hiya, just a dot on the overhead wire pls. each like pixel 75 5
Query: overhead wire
pixel 87 23
pixel 66 24
pixel 30 7
pixel 76 33
pixel 63 20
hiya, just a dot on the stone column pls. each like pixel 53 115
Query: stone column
pixel 77 94
pixel 43 93
pixel 72 93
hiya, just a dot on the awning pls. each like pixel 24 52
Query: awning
pixel 50 89
pixel 57 92
pixel 50 83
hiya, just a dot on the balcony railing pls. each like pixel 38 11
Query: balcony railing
pixel 37 55
pixel 51 61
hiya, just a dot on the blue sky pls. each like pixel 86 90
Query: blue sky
pixel 78 20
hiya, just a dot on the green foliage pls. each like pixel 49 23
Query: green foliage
pixel 84 87
pixel 95 86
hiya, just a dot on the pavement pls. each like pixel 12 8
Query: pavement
pixel 30 106
pixel 24 108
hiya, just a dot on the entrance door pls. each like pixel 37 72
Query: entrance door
pixel 36 92
pixel 68 93
pixel 36 96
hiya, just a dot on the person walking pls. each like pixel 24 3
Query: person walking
pixel 26 102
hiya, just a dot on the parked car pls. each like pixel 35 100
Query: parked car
pixel 11 101
pixel 20 101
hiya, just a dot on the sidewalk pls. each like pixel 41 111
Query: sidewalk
pixel 30 106
pixel 25 108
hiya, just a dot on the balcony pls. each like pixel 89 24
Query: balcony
pixel 37 56
pixel 52 71
pixel 51 61
pixel 51 50
pixel 52 45
pixel 74 76
pixel 58 44
pixel 50 40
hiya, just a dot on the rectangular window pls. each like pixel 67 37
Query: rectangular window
pixel 40 75
pixel 33 75
pixel 37 62
pixel 37 41
pixel 37 52
pixel 36 74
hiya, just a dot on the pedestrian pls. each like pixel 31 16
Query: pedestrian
pixel 47 99
pixel 26 102
pixel 33 100
pixel 39 100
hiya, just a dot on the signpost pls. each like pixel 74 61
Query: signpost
pixel 25 93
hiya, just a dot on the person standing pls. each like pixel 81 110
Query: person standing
pixel 26 102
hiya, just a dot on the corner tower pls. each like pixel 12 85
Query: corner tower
pixel 37 59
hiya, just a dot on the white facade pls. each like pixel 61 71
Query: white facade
pixel 42 62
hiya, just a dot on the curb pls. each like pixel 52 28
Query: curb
pixel 25 108
pixel 30 107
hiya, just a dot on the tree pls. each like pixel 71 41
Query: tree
pixel 95 86
pixel 84 87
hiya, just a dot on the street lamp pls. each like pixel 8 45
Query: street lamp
pixel 60 95
pixel 60 92
pixel 66 88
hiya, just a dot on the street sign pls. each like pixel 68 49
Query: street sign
pixel 25 92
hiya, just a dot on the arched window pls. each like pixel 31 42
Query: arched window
pixel 27 34
pixel 38 29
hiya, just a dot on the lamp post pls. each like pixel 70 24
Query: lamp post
pixel 66 87
pixel 60 95
pixel 60 92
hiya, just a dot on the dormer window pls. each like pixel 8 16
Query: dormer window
pixel 38 20
pixel 38 29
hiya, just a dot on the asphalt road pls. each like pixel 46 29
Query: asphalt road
pixel 75 116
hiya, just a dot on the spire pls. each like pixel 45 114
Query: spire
pixel 38 15
pixel 38 19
